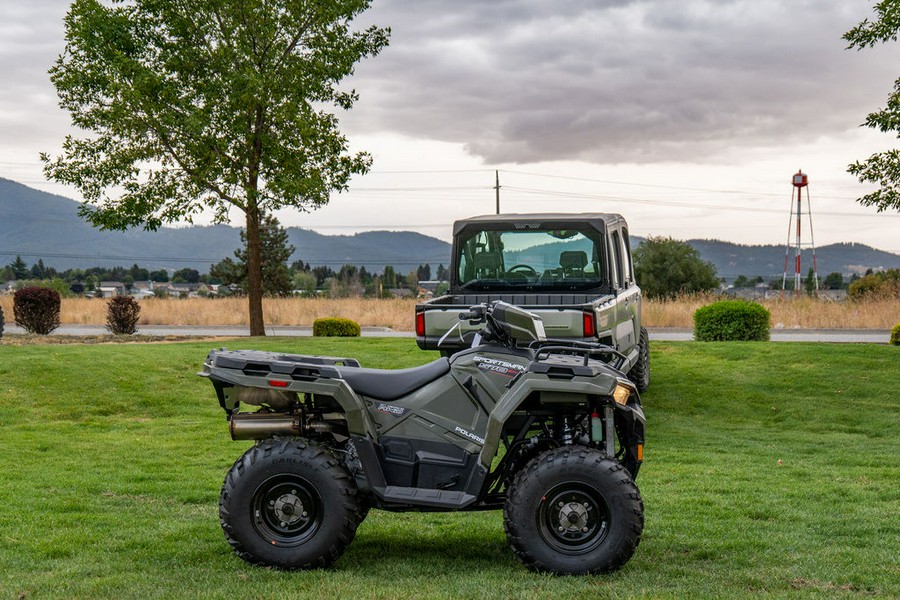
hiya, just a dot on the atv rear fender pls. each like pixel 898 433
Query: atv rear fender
pixel 229 375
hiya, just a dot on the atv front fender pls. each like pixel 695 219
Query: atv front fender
pixel 572 391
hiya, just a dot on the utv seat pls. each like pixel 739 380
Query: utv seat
pixel 488 264
pixel 573 262
pixel 389 385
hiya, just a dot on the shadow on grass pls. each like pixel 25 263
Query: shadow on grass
pixel 465 550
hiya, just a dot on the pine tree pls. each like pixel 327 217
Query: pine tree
pixel 275 252
pixel 19 269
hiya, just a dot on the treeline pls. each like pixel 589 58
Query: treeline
pixel 79 281
pixel 228 277
pixel 873 282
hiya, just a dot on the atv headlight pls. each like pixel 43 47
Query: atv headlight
pixel 621 394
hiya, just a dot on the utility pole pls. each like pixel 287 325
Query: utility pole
pixel 497 188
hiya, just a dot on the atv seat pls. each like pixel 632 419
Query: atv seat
pixel 392 384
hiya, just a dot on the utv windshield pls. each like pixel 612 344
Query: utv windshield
pixel 530 260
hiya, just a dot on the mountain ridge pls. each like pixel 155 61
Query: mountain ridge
pixel 39 225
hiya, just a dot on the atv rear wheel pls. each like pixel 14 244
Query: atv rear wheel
pixel 640 372
pixel 289 504
pixel 573 511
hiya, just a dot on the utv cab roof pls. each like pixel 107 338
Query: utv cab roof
pixel 537 220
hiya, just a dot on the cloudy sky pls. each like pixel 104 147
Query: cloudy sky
pixel 687 116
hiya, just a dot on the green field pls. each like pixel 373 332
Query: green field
pixel 769 469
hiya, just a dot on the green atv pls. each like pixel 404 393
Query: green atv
pixel 549 431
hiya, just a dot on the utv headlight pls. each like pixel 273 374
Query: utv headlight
pixel 621 394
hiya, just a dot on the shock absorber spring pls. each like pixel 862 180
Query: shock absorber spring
pixel 566 432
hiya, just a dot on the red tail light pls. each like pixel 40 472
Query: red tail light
pixel 590 330
pixel 420 324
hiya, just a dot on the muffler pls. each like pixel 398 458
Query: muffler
pixel 259 426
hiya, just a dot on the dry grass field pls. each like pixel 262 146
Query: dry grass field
pixel 801 312
pixel 397 314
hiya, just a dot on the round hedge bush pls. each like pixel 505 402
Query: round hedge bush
pixel 122 314
pixel 731 321
pixel 895 335
pixel 36 309
pixel 336 327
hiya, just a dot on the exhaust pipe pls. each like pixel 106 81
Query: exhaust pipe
pixel 259 426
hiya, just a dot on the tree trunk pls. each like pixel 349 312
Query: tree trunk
pixel 254 272
pixel 254 243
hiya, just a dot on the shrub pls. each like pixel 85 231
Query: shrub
pixel 336 327
pixel 36 309
pixel 895 334
pixel 883 284
pixel 731 320
pixel 122 314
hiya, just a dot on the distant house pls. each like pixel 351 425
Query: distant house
pixel 111 289
pixel 142 289
pixel 177 290
pixel 401 292
pixel 430 286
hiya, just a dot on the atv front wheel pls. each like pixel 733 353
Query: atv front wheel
pixel 573 511
pixel 289 504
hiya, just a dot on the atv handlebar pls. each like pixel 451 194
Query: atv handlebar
pixel 476 313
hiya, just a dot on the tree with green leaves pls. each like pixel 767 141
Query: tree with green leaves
pixel 19 269
pixel 882 168
pixel 212 106
pixel 834 281
pixel 665 268
pixel 389 277
pixel 275 251
pixel 812 282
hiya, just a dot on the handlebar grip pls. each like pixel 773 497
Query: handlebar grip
pixel 468 316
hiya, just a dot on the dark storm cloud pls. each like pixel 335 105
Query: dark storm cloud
pixel 533 80
pixel 653 80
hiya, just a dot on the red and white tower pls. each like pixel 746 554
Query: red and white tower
pixel 801 182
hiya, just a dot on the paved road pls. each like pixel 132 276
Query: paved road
pixel 213 331
pixel 867 336
pixel 852 336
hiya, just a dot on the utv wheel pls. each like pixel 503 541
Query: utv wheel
pixel 573 511
pixel 288 504
pixel 640 372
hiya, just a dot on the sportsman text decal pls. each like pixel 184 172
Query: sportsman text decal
pixel 500 367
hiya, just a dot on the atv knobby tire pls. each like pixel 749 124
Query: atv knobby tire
pixel 289 504
pixel 573 511
pixel 640 372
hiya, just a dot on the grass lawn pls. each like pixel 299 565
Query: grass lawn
pixel 769 469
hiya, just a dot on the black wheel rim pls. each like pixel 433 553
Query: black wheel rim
pixel 286 510
pixel 573 518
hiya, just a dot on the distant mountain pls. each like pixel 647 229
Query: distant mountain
pixel 37 225
pixel 732 260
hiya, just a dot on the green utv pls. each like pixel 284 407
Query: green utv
pixel 548 430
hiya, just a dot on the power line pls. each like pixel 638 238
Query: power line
pixel 679 204
pixel 658 186
pixel 137 259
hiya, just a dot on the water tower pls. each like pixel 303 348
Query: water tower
pixel 800 181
